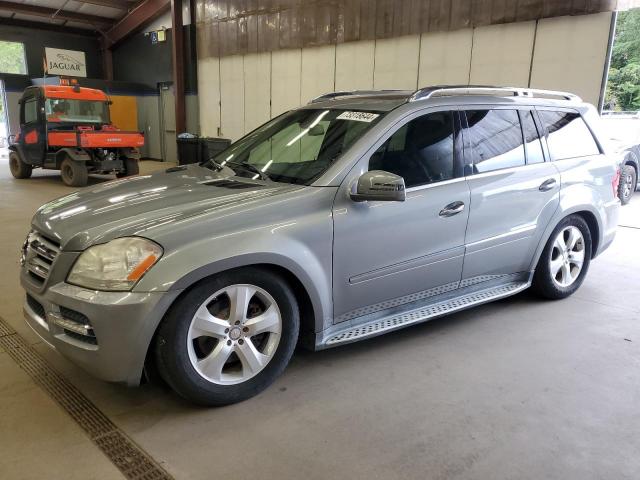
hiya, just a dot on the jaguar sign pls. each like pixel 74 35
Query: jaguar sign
pixel 65 62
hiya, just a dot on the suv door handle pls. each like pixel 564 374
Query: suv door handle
pixel 452 209
pixel 547 185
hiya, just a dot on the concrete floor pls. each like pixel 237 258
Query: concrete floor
pixel 520 388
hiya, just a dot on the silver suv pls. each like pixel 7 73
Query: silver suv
pixel 355 215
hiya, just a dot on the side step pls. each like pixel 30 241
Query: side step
pixel 418 315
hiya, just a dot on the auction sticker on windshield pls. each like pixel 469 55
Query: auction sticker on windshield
pixel 358 116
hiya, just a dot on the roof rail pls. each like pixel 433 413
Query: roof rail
pixel 346 93
pixel 451 90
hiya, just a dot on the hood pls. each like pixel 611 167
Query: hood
pixel 138 205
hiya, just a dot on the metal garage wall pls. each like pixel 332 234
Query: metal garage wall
pixel 570 53
pixel 209 95
pixel 560 53
pixel 445 58
pixel 149 122
pixel 396 62
pixel 354 65
pixel 257 90
pixel 502 54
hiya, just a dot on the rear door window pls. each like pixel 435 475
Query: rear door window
pixel 494 140
pixel 567 135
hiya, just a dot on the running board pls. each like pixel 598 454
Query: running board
pixel 419 315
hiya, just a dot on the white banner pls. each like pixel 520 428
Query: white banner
pixel 65 62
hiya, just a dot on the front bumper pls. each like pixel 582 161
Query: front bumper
pixel 123 323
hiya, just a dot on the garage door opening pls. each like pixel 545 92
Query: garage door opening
pixel 4 124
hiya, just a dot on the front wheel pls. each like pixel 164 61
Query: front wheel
pixel 19 169
pixel 565 259
pixel 229 337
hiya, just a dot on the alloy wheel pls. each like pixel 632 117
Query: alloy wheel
pixel 567 256
pixel 234 334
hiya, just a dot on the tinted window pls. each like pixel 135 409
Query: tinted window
pixel 30 111
pixel 421 151
pixel 568 135
pixel 495 139
pixel 531 138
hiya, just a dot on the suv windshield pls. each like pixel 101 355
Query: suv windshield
pixel 297 146
pixel 77 111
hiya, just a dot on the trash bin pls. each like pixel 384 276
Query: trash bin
pixel 188 149
pixel 210 147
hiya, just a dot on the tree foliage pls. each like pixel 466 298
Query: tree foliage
pixel 623 87
pixel 12 58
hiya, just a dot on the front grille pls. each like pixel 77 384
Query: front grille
pixel 76 325
pixel 39 255
pixel 36 306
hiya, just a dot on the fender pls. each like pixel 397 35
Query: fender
pixel 306 259
pixel 76 154
pixel 557 218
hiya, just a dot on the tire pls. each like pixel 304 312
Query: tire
pixel 628 182
pixel 74 174
pixel 548 278
pixel 131 167
pixel 19 169
pixel 188 361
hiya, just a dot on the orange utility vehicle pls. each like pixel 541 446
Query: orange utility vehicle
pixel 68 128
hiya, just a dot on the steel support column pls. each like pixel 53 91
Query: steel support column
pixel 178 64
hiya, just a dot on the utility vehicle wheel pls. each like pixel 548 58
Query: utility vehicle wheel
pixel 131 167
pixel 565 259
pixel 74 174
pixel 19 169
pixel 229 337
pixel 628 182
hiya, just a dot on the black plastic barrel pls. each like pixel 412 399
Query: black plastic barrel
pixel 210 147
pixel 188 150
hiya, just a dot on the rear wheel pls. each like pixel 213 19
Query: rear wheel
pixel 74 174
pixel 131 167
pixel 19 169
pixel 565 259
pixel 628 182
pixel 229 337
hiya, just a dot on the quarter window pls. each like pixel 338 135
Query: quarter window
pixel 30 110
pixel 420 151
pixel 531 138
pixel 494 139
pixel 567 135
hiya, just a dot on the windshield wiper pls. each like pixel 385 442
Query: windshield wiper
pixel 211 163
pixel 253 169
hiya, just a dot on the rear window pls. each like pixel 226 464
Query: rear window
pixel 567 135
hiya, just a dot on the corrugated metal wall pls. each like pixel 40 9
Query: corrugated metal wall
pixel 239 92
pixel 231 27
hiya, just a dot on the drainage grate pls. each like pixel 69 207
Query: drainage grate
pixel 131 460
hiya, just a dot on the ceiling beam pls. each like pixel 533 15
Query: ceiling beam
pixel 142 14
pixel 119 4
pixel 50 27
pixel 53 13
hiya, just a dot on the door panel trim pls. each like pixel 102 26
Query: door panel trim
pixel 407 265
pixel 516 234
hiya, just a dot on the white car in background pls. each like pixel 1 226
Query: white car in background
pixel 623 131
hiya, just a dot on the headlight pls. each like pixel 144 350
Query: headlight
pixel 116 265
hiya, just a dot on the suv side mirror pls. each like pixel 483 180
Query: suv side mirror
pixel 380 186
